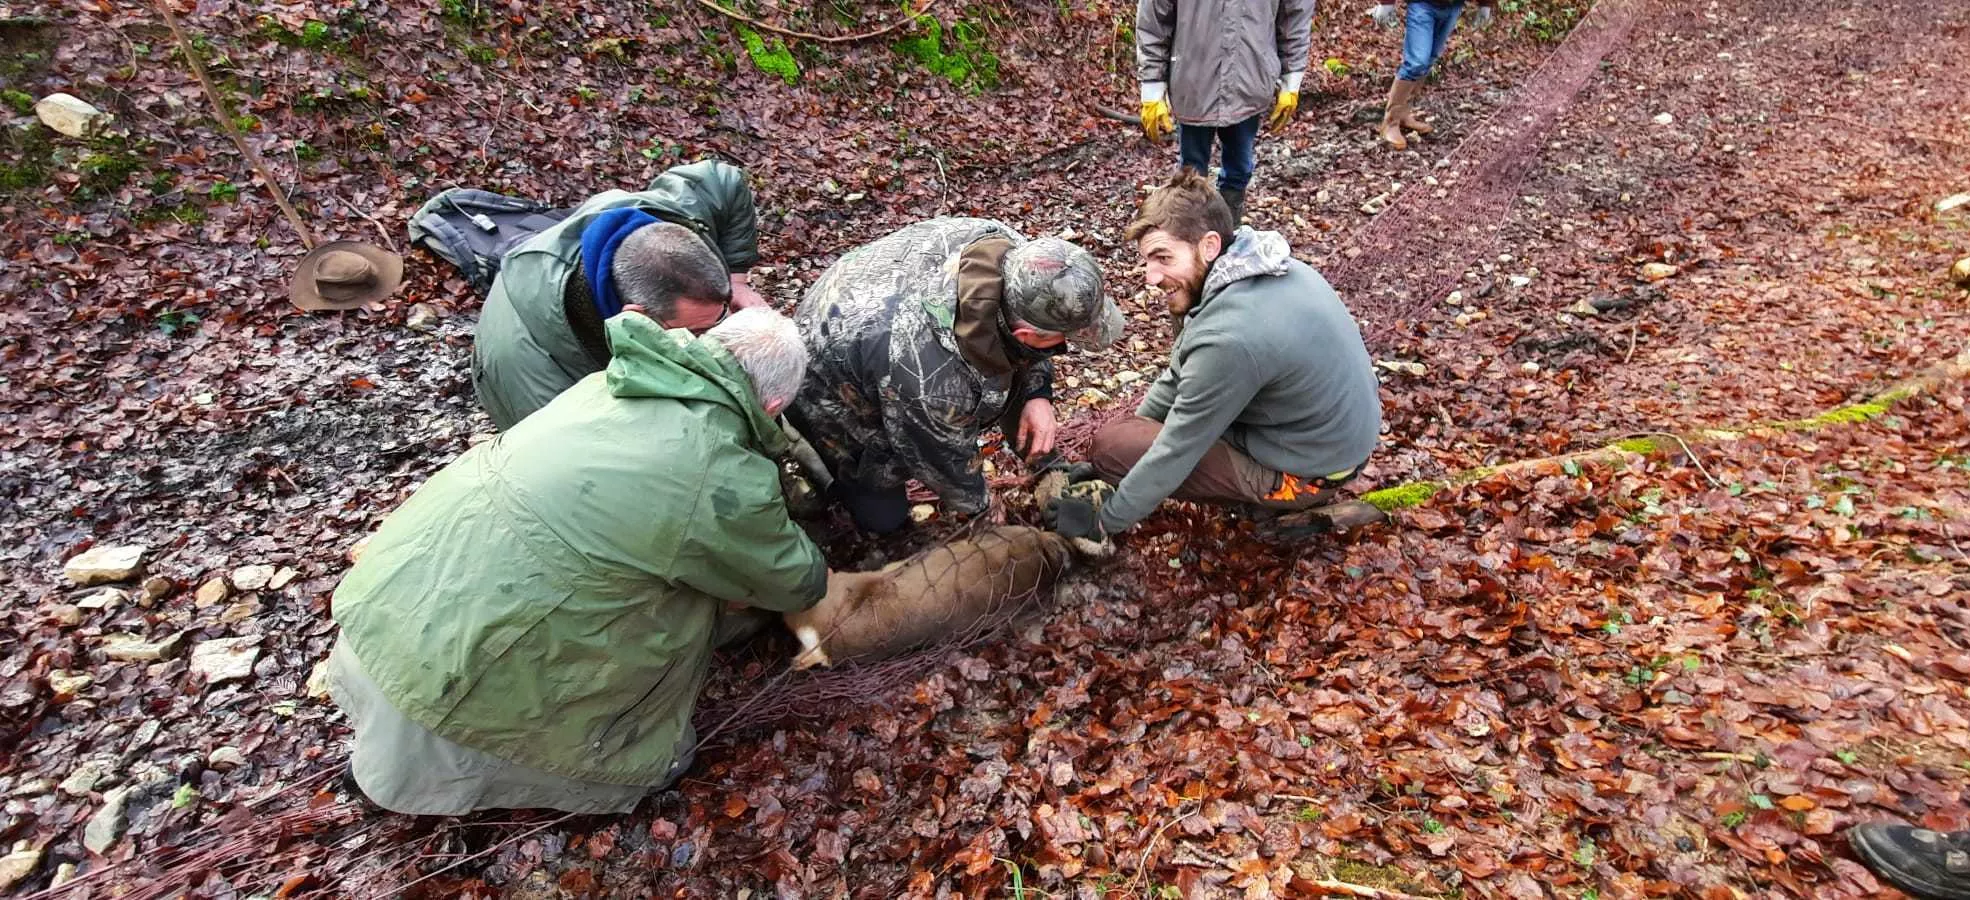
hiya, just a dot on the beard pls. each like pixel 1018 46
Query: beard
pixel 1184 296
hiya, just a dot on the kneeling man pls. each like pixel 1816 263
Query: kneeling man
pixel 531 628
pixel 1270 400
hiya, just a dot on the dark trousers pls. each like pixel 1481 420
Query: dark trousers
pixel 1238 142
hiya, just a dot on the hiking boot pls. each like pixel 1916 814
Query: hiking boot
pixel 1341 515
pixel 1391 128
pixel 1923 863
pixel 1234 198
pixel 1409 118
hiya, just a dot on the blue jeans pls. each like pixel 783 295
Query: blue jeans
pixel 1237 139
pixel 1424 33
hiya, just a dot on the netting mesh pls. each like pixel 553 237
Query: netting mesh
pixel 1396 268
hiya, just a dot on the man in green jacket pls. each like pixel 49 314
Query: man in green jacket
pixel 541 329
pixel 1269 402
pixel 531 628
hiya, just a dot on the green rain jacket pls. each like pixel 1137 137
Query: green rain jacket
pixel 527 350
pixel 550 597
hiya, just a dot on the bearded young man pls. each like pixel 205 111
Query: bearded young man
pixel 1270 401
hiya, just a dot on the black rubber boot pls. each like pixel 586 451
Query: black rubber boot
pixel 1235 198
pixel 1922 863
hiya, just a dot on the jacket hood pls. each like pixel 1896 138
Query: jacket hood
pixel 650 361
pixel 1252 254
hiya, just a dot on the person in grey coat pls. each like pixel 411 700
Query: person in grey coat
pixel 1216 67
pixel 1270 401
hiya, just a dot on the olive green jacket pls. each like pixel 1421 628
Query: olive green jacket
pixel 550 597
pixel 526 350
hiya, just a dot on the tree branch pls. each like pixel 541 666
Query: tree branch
pixel 810 36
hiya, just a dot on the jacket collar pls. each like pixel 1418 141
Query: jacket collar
pixel 980 330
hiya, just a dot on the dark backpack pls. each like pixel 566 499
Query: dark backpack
pixel 473 229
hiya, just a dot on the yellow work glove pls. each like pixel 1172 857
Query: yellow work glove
pixel 1156 121
pixel 1283 109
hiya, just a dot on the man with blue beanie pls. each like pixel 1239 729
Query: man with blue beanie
pixel 678 251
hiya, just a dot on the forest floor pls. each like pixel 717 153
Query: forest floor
pixel 1679 675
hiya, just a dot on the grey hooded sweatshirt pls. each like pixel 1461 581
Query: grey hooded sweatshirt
pixel 1269 361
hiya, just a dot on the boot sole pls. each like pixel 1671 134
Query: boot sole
pixel 1891 871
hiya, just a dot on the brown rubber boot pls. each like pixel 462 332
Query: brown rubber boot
pixel 1391 129
pixel 1410 120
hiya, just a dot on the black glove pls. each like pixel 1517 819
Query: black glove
pixel 1076 513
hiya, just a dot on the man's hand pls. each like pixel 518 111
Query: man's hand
pixel 743 296
pixel 1076 513
pixel 1283 109
pixel 1076 516
pixel 1482 18
pixel 1385 15
pixel 1156 121
pixel 1037 428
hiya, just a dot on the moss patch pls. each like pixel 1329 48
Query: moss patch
pixel 1402 496
pixel 1387 878
pixel 774 59
pixel 1637 445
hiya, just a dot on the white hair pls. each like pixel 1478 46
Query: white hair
pixel 768 346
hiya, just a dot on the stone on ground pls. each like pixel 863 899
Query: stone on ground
pixel 103 564
pixel 107 598
pixel 155 588
pixel 131 648
pixel 1656 271
pixel 225 659
pixel 108 824
pixel 18 864
pixel 252 578
pixel 1960 273
pixel 214 591
pixel 71 115
pixel 224 758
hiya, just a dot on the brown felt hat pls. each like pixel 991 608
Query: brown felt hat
pixel 345 275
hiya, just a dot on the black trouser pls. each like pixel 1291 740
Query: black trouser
pixel 875 509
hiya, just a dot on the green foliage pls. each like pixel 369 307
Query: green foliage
pixel 1734 818
pixel 1545 20
pixel 960 55
pixel 108 170
pixel 171 321
pixel 223 192
pixel 22 102
pixel 774 59
pixel 305 151
pixel 1337 67
pixel 465 13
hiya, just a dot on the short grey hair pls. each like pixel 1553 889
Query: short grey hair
pixel 662 263
pixel 768 346
pixel 1053 286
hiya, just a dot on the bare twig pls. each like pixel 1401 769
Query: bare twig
pixel 1142 865
pixel 220 112
pixel 1694 459
pixel 1634 327
pixel 1325 888
pixel 820 38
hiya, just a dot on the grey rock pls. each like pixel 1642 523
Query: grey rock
pixel 106 827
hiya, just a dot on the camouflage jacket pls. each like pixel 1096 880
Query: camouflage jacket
pixel 910 361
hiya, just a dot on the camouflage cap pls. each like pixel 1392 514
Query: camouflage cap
pixel 1056 286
